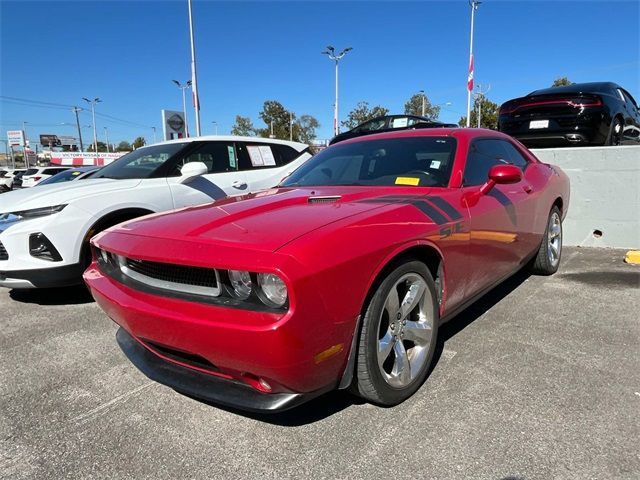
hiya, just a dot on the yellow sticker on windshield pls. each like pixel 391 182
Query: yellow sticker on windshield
pixel 75 174
pixel 407 181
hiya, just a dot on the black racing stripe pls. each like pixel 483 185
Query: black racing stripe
pixel 446 207
pixel 429 211
pixel 506 202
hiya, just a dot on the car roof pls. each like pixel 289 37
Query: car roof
pixel 467 133
pixel 577 88
pixel 232 138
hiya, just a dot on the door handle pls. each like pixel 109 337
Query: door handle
pixel 239 184
pixel 527 188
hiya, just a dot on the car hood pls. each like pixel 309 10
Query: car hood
pixel 263 221
pixel 60 193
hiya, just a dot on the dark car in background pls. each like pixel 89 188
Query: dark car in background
pixel 601 113
pixel 17 179
pixel 388 123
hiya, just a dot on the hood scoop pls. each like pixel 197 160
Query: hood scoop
pixel 325 199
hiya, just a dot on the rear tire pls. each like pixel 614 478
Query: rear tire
pixel 615 137
pixel 547 260
pixel 398 336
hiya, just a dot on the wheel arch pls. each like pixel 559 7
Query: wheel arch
pixel 109 220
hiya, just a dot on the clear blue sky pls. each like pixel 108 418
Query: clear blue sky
pixel 127 53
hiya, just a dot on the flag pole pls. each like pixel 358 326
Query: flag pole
pixel 474 6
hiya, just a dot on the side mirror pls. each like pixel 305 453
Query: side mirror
pixel 501 175
pixel 191 170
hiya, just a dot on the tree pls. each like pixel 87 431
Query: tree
pixel 102 147
pixel 304 129
pixel 561 82
pixel 489 114
pixel 243 127
pixel 361 113
pixel 414 106
pixel 273 113
pixel 139 142
pixel 124 146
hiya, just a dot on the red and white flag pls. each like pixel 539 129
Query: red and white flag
pixel 470 77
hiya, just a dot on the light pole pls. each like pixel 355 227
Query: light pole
pixel 215 126
pixel 184 103
pixel 480 97
pixel 331 53
pixel 421 92
pixel 106 134
pixel 474 6
pixel 93 115
pixel 194 78
pixel 154 134
pixel 291 126
pixel 24 145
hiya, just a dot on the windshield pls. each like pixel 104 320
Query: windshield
pixel 417 161
pixel 65 176
pixel 141 163
pixel 31 171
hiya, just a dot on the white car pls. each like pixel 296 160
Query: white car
pixel 6 178
pixel 45 231
pixel 34 175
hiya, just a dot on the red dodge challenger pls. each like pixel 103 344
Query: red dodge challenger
pixel 337 278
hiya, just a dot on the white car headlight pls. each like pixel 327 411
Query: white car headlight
pixel 273 289
pixel 32 213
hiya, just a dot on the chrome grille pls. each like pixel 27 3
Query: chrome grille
pixel 4 255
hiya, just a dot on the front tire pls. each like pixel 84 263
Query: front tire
pixel 398 336
pixel 547 260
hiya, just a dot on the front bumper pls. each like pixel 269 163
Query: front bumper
pixel 62 276
pixel 205 386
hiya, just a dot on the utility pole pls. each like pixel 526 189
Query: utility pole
pixel 106 134
pixel 331 53
pixel 24 145
pixel 194 78
pixel 474 6
pixel 421 92
pixel 76 110
pixel 154 134
pixel 291 126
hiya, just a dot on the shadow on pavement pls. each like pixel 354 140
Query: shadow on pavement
pixel 338 400
pixel 75 295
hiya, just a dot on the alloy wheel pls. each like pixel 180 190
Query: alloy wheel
pixel 554 238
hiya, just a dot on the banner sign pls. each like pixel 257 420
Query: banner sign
pixel 173 124
pixel 78 159
pixel 15 138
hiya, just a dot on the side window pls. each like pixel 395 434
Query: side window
pixel 631 103
pixel 252 156
pixel 514 156
pixel 483 154
pixel 219 157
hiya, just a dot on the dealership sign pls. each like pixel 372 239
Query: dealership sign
pixel 173 124
pixel 15 138
pixel 78 159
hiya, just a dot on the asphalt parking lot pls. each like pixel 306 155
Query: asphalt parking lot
pixel 539 379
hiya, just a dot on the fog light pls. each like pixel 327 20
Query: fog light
pixel 241 283
pixel 41 247
pixel 273 288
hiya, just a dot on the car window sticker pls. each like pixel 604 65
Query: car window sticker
pixel 400 122
pixel 267 155
pixel 413 181
pixel 232 156
pixel 255 155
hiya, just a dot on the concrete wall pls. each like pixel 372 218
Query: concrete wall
pixel 605 194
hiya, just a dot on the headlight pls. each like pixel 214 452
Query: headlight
pixel 240 283
pixel 33 213
pixel 273 288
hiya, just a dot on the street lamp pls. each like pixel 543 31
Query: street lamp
pixel 421 92
pixel 154 134
pixel 93 115
pixel 184 103
pixel 331 53
pixel 215 125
